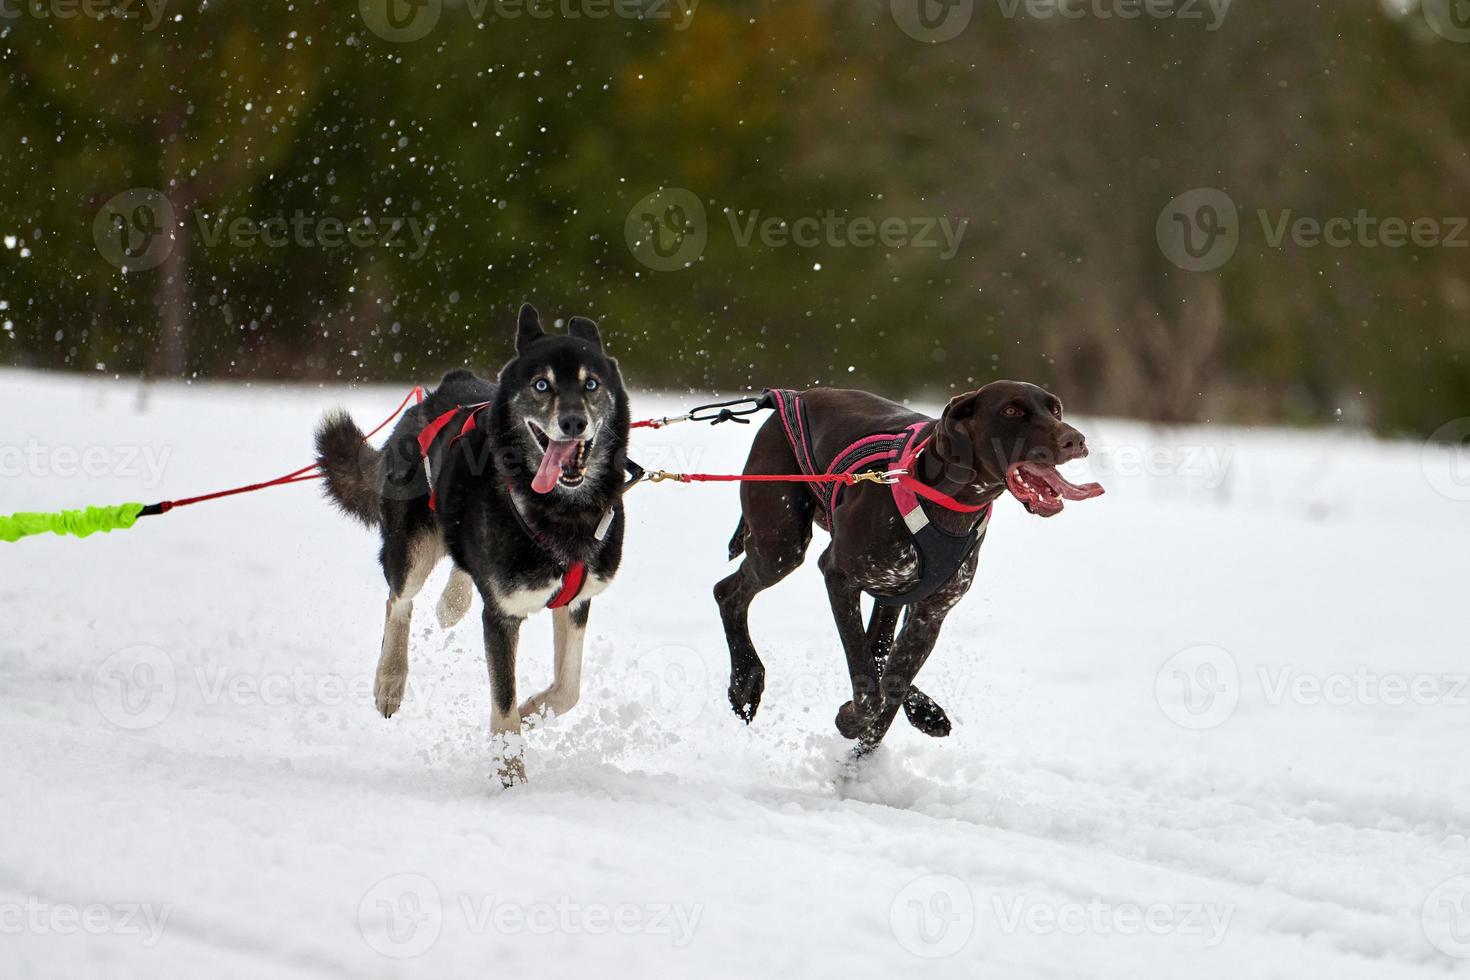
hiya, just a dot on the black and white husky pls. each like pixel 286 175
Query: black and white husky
pixel 519 482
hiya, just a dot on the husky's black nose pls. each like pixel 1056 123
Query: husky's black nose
pixel 572 426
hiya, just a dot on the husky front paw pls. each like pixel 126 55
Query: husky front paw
pixel 508 748
pixel 388 691
pixel 511 772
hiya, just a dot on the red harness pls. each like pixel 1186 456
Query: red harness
pixel 892 450
pixel 574 576
pixel 940 553
pixel 431 432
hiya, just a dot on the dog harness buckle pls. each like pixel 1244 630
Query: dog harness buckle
pixel 885 477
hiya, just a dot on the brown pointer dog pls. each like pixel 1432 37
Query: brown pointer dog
pixel 1009 435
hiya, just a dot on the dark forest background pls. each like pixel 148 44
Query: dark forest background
pixel 525 143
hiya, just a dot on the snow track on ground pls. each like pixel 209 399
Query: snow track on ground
pixel 189 731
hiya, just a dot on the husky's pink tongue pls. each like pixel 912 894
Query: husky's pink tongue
pixel 557 457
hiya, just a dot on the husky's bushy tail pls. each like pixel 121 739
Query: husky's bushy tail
pixel 353 468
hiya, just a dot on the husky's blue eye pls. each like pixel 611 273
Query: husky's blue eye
pixel 591 384
pixel 543 385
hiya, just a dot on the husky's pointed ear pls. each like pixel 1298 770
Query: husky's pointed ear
pixel 528 330
pixel 584 329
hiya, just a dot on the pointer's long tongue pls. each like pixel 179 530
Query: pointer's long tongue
pixel 1070 490
pixel 556 458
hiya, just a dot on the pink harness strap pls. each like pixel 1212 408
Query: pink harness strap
pixel 431 432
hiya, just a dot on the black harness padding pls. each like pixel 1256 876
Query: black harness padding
pixel 940 556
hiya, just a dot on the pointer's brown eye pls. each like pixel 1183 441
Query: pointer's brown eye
pixel 1057 411
pixel 1011 412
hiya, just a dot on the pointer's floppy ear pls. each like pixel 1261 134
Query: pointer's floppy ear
pixel 953 440
pixel 584 329
pixel 528 330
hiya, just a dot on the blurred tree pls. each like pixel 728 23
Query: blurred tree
pixel 517 145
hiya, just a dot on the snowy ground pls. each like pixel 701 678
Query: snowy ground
pixel 1212 724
